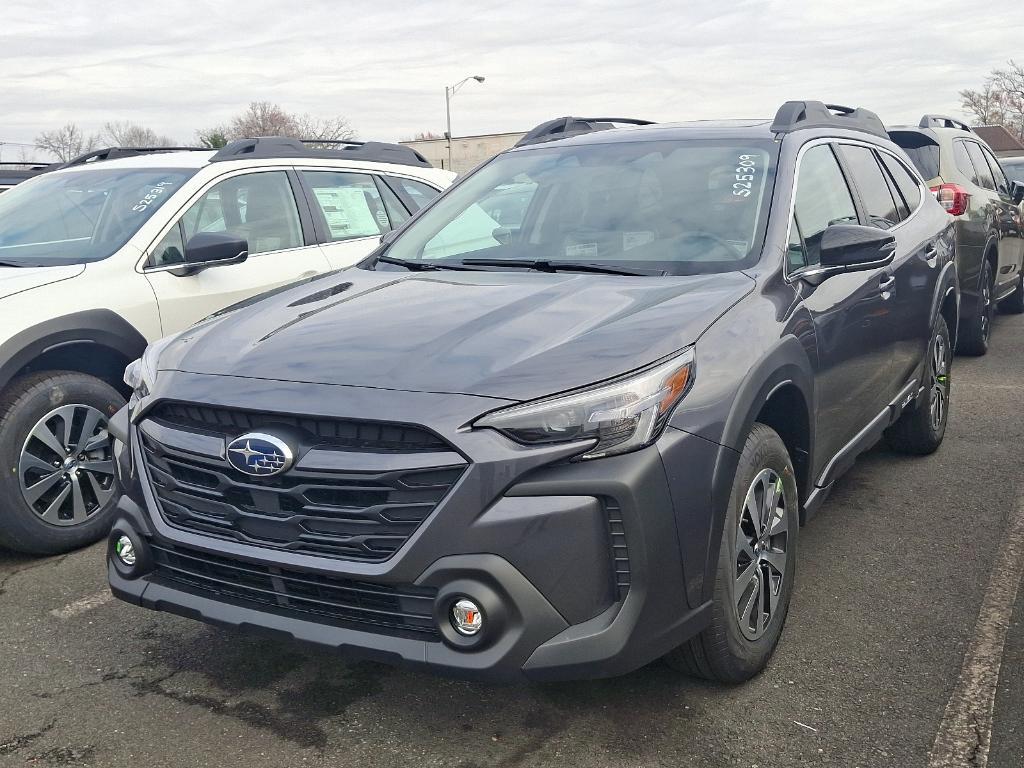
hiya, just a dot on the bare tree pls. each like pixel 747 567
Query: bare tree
pixel 1000 101
pixel 263 118
pixel 426 136
pixel 66 142
pixel 128 134
pixel 322 131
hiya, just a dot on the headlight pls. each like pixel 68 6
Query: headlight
pixel 140 375
pixel 620 416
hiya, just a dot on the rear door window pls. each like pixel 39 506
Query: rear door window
pixel 874 189
pixel 981 165
pixel 350 204
pixel 905 181
pixel 822 198
pixel 964 163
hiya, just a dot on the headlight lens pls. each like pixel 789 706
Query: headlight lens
pixel 140 374
pixel 621 416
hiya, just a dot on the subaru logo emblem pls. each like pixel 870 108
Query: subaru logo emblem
pixel 259 454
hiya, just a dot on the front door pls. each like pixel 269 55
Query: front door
pixel 849 311
pixel 259 206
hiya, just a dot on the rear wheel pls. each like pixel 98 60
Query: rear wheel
pixel 973 340
pixel 756 567
pixel 58 491
pixel 922 425
pixel 1014 303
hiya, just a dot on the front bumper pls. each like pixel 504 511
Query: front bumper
pixel 530 537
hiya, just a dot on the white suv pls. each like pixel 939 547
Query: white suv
pixel 121 247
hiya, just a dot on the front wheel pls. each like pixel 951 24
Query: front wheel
pixel 756 567
pixel 58 490
pixel 922 425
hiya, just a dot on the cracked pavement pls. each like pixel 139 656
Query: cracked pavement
pixel 891 577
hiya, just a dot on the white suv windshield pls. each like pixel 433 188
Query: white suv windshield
pixel 679 207
pixel 80 216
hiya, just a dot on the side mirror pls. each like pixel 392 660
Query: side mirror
pixel 854 247
pixel 212 249
pixel 1017 191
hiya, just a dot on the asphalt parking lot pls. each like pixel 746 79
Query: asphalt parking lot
pixel 871 667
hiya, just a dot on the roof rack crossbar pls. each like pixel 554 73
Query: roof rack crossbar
pixel 943 121
pixel 280 146
pixel 564 127
pixel 26 163
pixel 796 115
pixel 112 153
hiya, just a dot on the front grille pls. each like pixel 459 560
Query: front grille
pixel 345 434
pixel 620 553
pixel 354 515
pixel 402 610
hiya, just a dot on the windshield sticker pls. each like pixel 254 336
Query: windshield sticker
pixel 155 193
pixel 746 171
pixel 581 249
pixel 631 240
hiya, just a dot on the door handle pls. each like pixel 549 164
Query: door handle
pixel 886 284
pixel 931 255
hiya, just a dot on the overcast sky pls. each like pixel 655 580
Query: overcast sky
pixel 180 65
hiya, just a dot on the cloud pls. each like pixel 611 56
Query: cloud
pixel 180 66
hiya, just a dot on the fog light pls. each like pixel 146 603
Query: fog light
pixel 466 617
pixel 125 550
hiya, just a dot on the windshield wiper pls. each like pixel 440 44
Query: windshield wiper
pixel 419 266
pixel 543 265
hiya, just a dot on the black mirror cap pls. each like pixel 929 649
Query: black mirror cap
pixel 851 247
pixel 1017 191
pixel 212 249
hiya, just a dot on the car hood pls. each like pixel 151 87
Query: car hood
pixel 508 335
pixel 17 279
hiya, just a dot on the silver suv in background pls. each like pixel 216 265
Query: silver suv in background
pixel 972 186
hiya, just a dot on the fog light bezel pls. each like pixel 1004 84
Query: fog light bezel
pixel 143 560
pixel 119 551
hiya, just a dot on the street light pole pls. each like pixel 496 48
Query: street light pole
pixel 449 92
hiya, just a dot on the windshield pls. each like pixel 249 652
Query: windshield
pixel 680 207
pixel 80 216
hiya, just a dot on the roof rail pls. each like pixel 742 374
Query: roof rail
pixel 113 153
pixel 943 121
pixel 279 146
pixel 30 164
pixel 564 127
pixel 797 115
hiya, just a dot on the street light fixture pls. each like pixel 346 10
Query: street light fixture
pixel 449 92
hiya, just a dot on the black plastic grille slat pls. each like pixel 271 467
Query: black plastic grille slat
pixel 620 552
pixel 325 433
pixel 405 609
pixel 350 515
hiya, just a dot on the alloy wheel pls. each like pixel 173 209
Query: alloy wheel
pixel 939 384
pixel 987 309
pixel 66 468
pixel 761 553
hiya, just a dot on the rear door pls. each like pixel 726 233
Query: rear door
pixel 973 227
pixel 260 206
pixel 848 310
pixel 351 211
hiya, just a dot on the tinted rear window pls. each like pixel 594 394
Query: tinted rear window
pixel 922 150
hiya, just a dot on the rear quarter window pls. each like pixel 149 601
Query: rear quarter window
pixel 922 151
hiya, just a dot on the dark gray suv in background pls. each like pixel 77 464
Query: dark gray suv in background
pixel 565 444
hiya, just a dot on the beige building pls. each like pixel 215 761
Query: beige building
pixel 467 151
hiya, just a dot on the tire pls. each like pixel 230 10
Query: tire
pixel 974 336
pixel 733 649
pixel 920 428
pixel 74 490
pixel 1014 303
